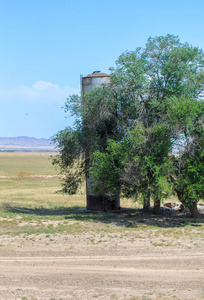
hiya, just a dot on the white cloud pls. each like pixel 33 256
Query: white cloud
pixel 41 91
pixel 44 85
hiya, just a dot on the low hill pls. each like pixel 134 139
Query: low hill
pixel 24 143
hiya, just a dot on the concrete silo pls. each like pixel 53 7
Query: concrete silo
pixel 100 203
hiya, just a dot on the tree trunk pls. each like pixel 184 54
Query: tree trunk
pixel 194 210
pixel 156 206
pixel 146 205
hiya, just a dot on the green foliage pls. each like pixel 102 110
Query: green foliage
pixel 188 116
pixel 125 130
pixel 147 163
pixel 70 158
pixel 69 145
pixel 105 170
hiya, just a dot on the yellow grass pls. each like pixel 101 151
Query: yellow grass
pixel 22 189
pixel 34 163
pixel 31 200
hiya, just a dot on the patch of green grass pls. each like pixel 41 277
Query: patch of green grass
pixel 113 297
pixel 97 296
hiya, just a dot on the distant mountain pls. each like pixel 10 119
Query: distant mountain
pixel 25 143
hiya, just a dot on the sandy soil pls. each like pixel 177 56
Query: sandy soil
pixel 130 265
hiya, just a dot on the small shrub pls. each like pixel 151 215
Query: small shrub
pixel 23 175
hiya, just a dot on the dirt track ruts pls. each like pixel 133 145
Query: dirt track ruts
pixel 101 276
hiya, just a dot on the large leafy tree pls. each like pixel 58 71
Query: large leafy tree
pixel 131 122
pixel 146 83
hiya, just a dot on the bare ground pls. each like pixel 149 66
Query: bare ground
pixel 116 264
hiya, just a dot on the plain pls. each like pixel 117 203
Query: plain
pixel 52 248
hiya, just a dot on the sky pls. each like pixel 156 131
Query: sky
pixel 47 44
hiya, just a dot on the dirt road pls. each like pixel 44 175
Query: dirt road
pixel 68 269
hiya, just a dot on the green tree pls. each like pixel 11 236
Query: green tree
pixel 128 128
pixel 187 115
pixel 95 122
pixel 138 165
pixel 145 83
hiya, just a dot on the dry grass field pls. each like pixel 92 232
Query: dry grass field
pixel 52 248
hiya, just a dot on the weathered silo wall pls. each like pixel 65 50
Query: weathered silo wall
pixel 94 80
pixel 102 203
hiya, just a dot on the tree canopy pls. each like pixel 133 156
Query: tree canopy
pixel 125 132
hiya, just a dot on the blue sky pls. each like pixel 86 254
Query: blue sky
pixel 47 44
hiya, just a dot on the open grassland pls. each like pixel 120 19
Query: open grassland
pixel 51 248
pixel 33 163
